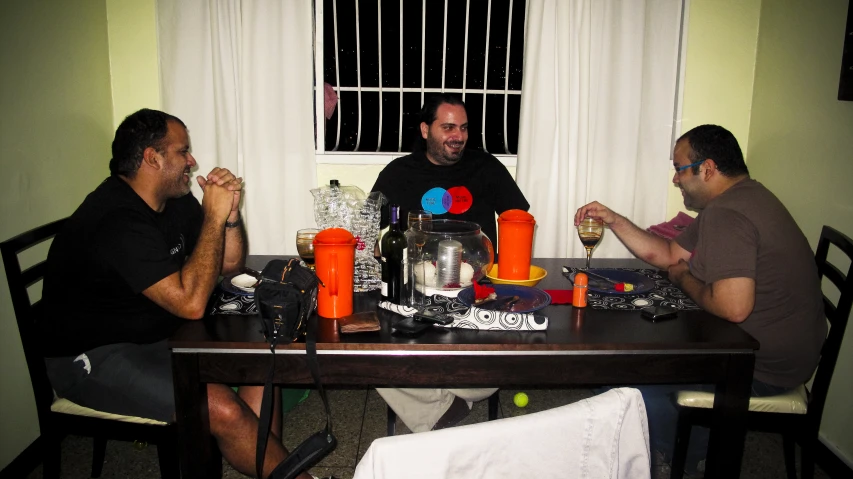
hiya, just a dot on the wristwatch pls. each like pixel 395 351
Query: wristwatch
pixel 235 224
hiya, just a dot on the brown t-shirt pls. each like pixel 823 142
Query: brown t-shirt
pixel 746 232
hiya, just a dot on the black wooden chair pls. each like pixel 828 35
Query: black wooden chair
pixel 797 414
pixel 60 417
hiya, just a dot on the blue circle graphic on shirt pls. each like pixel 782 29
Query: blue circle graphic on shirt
pixel 437 201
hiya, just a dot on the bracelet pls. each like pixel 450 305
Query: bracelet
pixel 235 224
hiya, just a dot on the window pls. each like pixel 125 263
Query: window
pixel 384 58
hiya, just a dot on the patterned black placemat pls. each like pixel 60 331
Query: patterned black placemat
pixel 664 294
pixel 223 302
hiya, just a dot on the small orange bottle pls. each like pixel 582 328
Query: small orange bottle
pixel 579 291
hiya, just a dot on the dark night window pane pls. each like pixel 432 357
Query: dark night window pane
pixel 474 105
pixel 441 57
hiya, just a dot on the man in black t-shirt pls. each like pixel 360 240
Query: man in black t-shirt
pixel 134 261
pixel 444 178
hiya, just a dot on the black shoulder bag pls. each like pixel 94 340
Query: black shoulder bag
pixel 285 299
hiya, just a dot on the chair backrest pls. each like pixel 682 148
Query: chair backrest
pixel 26 312
pixel 837 315
pixel 608 431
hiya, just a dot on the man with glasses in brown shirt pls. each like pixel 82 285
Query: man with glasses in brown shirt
pixel 744 259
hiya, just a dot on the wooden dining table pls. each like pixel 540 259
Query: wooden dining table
pixel 582 347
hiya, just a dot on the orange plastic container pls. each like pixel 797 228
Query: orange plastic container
pixel 515 244
pixel 334 252
pixel 579 290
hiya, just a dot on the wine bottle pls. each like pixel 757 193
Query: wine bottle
pixel 393 247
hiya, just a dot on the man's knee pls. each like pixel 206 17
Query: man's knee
pixel 226 409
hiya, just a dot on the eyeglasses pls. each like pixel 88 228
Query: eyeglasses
pixel 679 169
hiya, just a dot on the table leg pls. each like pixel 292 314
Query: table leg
pixel 728 433
pixel 199 455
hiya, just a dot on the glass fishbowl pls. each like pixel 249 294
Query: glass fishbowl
pixel 445 257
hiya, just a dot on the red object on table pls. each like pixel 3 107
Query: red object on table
pixel 560 296
pixel 482 291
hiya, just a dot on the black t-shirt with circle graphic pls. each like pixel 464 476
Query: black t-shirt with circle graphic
pixel 476 188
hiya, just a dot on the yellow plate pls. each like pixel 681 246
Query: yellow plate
pixel 536 275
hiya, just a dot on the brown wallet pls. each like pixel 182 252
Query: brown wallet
pixel 359 322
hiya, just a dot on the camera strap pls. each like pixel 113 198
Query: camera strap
pixel 319 444
pixel 311 450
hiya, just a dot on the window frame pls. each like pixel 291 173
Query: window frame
pixel 322 156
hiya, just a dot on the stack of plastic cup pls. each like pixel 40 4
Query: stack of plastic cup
pixel 448 263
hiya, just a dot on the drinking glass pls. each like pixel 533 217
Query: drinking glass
pixel 420 218
pixel 589 231
pixel 420 222
pixel 305 245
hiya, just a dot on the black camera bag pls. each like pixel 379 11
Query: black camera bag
pixel 286 298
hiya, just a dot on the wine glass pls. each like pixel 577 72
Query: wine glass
pixel 305 245
pixel 420 221
pixel 420 218
pixel 589 231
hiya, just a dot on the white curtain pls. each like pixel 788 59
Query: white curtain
pixel 239 73
pixel 597 110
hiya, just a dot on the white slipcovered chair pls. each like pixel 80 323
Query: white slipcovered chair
pixel 606 436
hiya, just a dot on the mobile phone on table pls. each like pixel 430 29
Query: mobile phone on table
pixel 659 313
pixel 433 317
pixel 410 327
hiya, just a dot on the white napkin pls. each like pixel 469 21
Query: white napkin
pixel 245 282
pixel 485 319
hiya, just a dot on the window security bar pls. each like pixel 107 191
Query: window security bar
pixel 382 89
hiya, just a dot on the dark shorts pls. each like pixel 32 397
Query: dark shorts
pixel 128 379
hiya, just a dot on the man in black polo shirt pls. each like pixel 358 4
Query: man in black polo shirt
pixel 134 261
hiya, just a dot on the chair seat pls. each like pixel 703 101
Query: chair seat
pixel 792 402
pixel 800 427
pixel 65 406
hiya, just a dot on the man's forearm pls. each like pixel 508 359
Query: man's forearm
pixel 648 247
pixel 201 270
pixel 234 257
pixel 731 299
pixel 699 292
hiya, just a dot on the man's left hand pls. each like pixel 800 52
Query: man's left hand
pixel 678 271
pixel 223 177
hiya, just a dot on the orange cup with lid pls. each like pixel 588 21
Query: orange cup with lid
pixel 515 244
pixel 579 290
pixel 334 252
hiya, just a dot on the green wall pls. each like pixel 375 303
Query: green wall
pixel 55 134
pixel 719 68
pixel 801 147
pixel 133 56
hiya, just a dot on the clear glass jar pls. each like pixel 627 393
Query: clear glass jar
pixel 435 254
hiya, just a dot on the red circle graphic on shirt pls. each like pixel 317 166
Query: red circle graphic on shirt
pixel 461 200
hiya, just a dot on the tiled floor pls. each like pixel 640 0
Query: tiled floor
pixel 359 418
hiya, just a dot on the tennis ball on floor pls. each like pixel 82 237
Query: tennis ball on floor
pixel 520 399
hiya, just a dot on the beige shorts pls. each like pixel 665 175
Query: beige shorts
pixel 421 408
